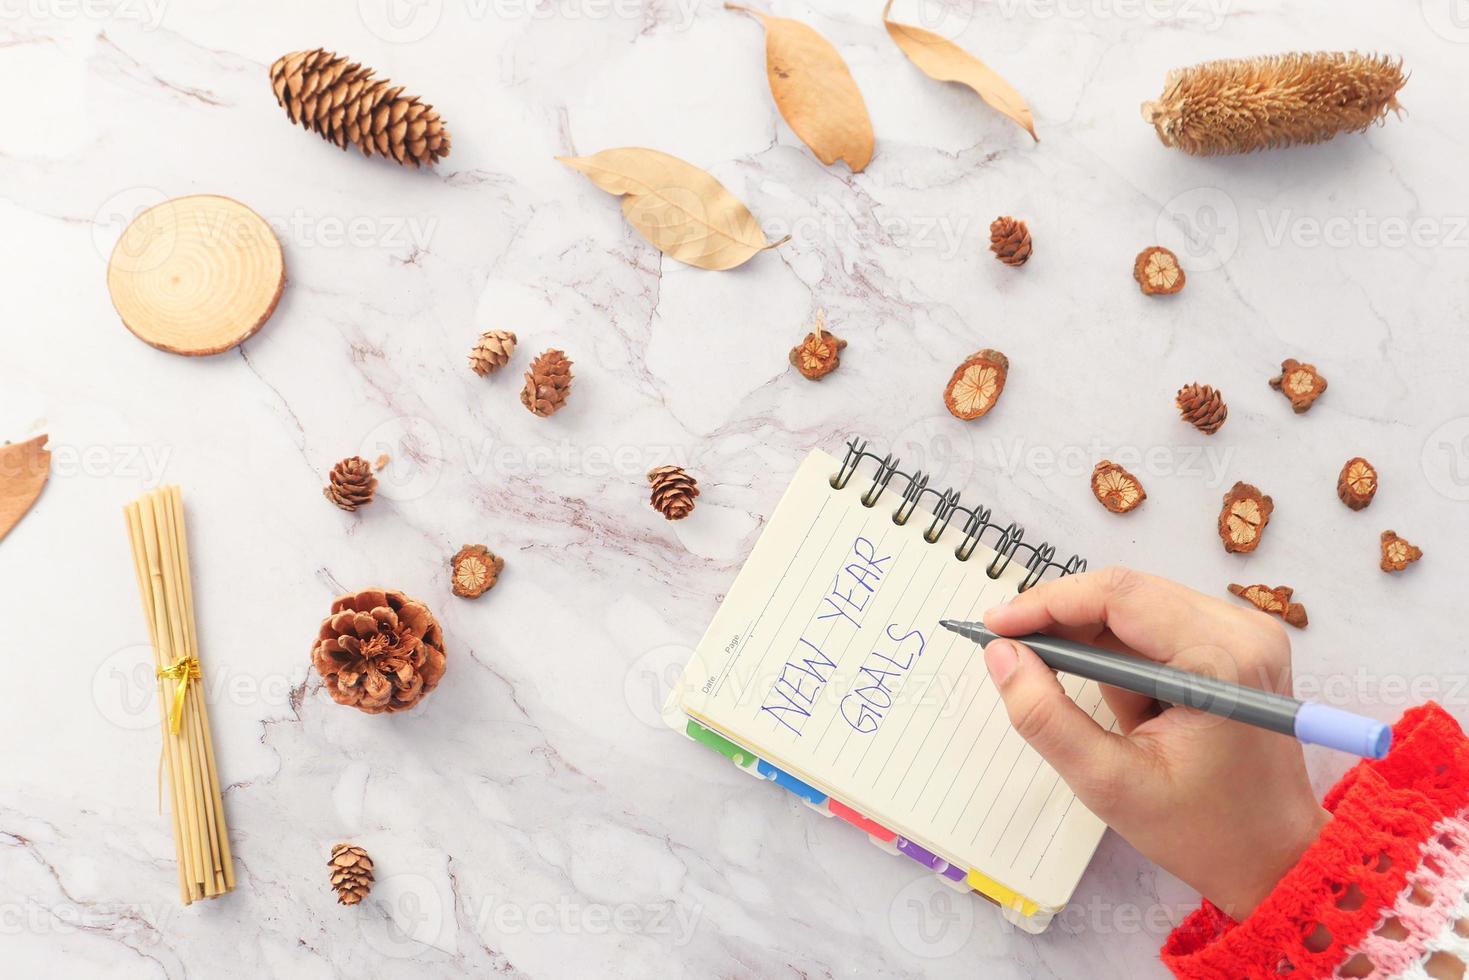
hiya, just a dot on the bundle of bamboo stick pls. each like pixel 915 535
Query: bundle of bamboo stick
pixel 161 559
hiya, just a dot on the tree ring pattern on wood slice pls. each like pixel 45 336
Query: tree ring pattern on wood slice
pixel 196 275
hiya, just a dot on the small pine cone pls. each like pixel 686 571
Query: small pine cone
pixel 351 873
pixel 1010 240
pixel 492 351
pixel 378 651
pixel 340 101
pixel 673 491
pixel 351 483
pixel 547 383
pixel 1202 406
pixel 476 569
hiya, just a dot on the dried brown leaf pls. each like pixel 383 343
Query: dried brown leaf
pixel 942 59
pixel 24 467
pixel 814 91
pixel 681 210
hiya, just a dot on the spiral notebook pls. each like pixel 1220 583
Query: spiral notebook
pixel 826 672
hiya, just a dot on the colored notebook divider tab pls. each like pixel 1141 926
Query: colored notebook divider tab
pixel 1009 900
pixel 741 757
pixel 786 781
pixel 1016 908
pixel 872 827
pixel 930 860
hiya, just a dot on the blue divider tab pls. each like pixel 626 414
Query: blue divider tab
pixel 782 778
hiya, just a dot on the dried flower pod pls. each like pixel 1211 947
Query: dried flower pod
pixel 350 484
pixel 1115 488
pixel 1357 484
pixel 491 352
pixel 547 383
pixel 976 385
pixel 351 873
pixel 1010 240
pixel 476 569
pixel 673 491
pixel 820 353
pixel 1157 271
pixel 379 650
pixel 1300 383
pixel 1202 406
pixel 1240 105
pixel 1397 553
pixel 1276 600
pixel 1243 517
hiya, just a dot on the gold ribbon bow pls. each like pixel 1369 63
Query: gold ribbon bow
pixel 183 670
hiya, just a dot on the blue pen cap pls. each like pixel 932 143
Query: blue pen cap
pixel 1321 724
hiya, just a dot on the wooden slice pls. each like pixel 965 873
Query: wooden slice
pixel 196 275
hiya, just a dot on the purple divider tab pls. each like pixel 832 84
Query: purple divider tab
pixel 922 855
pixel 954 872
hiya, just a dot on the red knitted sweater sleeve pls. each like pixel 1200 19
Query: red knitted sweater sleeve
pixel 1382 890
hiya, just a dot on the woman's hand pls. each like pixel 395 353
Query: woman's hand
pixel 1225 806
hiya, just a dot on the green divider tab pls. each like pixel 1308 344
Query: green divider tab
pixel 719 744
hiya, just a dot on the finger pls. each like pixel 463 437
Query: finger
pixel 1149 615
pixel 1129 708
pixel 1091 760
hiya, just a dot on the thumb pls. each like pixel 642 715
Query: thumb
pixel 1092 760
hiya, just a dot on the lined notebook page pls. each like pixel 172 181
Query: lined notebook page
pixel 826 658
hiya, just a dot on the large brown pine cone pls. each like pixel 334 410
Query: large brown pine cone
pixel 341 101
pixel 351 873
pixel 547 383
pixel 673 491
pixel 379 651
pixel 1010 240
pixel 1202 407
pixel 351 483
pixel 492 351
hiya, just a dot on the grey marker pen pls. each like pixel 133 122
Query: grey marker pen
pixel 1317 724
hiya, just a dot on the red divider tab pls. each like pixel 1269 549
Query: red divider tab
pixel 857 820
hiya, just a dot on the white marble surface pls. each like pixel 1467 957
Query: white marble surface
pixel 531 819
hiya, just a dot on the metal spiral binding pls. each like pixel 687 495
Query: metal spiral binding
pixel 1038 559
